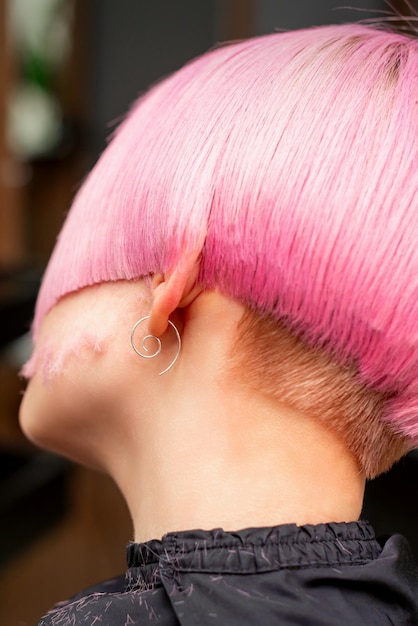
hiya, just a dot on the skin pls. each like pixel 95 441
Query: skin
pixel 192 448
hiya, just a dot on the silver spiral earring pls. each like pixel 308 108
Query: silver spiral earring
pixel 158 342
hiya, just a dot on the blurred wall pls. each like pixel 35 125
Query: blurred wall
pixel 282 14
pixel 133 43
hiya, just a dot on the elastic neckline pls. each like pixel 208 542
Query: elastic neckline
pixel 253 550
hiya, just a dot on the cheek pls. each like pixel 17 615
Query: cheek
pixel 64 417
pixel 76 412
pixel 82 364
pixel 35 413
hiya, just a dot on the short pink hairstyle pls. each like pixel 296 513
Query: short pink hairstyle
pixel 290 161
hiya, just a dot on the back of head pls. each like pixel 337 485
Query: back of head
pixel 290 164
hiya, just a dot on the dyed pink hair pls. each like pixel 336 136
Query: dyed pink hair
pixel 291 162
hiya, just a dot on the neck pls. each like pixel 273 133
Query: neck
pixel 206 475
pixel 216 455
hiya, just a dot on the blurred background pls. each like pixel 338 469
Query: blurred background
pixel 68 71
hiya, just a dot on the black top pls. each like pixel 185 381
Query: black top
pixel 325 575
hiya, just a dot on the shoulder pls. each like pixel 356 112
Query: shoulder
pixel 109 604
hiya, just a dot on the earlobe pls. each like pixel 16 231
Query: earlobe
pixel 177 289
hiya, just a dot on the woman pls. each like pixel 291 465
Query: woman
pixel 252 226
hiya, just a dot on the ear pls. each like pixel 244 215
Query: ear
pixel 175 290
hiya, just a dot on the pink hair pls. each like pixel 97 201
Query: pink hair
pixel 291 162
